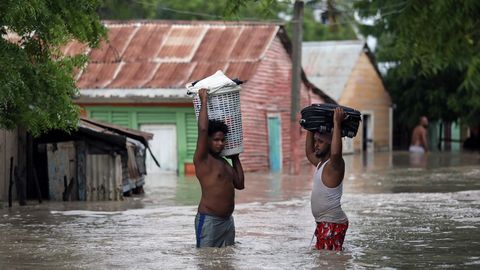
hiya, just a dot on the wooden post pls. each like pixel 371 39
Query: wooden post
pixel 296 59
pixel 20 186
pixel 21 175
pixel 10 183
pixel 332 15
pixel 81 154
pixel 66 196
pixel 37 185
pixel 296 80
pixel 65 188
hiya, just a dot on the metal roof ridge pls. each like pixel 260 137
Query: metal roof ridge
pixel 140 22
pixel 174 61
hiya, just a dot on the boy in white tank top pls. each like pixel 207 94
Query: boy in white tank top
pixel 325 152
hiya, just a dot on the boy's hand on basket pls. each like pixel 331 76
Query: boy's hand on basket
pixel 203 94
pixel 338 116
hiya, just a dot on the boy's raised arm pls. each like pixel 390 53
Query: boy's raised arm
pixel 201 153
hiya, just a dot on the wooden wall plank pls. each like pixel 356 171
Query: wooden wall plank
pixel 8 149
pixel 365 92
pixel 4 167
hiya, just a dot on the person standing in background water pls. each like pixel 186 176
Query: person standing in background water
pixel 419 143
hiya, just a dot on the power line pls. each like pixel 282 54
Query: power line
pixel 219 17
pixel 189 12
pixel 186 12
pixel 207 15
pixel 350 20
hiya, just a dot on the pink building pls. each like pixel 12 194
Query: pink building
pixel 138 78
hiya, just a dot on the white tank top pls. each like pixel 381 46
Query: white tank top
pixel 325 201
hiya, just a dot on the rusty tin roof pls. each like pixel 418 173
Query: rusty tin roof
pixel 157 58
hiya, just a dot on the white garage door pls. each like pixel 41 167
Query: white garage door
pixel 163 146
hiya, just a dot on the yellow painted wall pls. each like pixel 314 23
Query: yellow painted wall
pixel 365 92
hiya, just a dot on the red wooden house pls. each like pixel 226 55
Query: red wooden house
pixel 137 79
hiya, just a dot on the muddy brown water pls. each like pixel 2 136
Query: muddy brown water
pixel 405 212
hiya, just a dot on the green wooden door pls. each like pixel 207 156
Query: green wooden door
pixel 274 144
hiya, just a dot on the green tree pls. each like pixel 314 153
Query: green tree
pixel 36 82
pixel 434 48
pixel 189 9
pixel 259 10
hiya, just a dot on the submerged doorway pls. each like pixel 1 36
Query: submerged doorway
pixel 367 132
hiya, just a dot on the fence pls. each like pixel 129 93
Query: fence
pixel 8 150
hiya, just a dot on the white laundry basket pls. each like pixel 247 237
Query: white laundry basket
pixel 224 105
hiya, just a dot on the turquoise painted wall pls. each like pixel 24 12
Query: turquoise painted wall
pixel 133 117
pixel 456 146
pixel 434 132
pixel 433 135
pixel 274 144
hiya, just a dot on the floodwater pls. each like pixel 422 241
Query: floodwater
pixel 405 212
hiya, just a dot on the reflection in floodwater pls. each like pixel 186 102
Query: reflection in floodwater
pixel 402 215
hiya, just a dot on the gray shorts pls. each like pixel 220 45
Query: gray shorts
pixel 212 231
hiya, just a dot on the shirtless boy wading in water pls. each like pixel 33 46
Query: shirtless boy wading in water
pixel 214 226
pixel 419 142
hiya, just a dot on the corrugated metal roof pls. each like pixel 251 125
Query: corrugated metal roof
pixel 329 64
pixel 107 128
pixel 168 54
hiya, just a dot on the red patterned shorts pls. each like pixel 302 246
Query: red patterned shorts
pixel 330 235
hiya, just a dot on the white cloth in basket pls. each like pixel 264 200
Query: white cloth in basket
pixel 217 83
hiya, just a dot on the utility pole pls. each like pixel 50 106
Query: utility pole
pixel 296 58
pixel 296 80
pixel 332 15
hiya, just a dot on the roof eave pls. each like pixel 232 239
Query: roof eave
pixel 140 96
pixel 141 136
